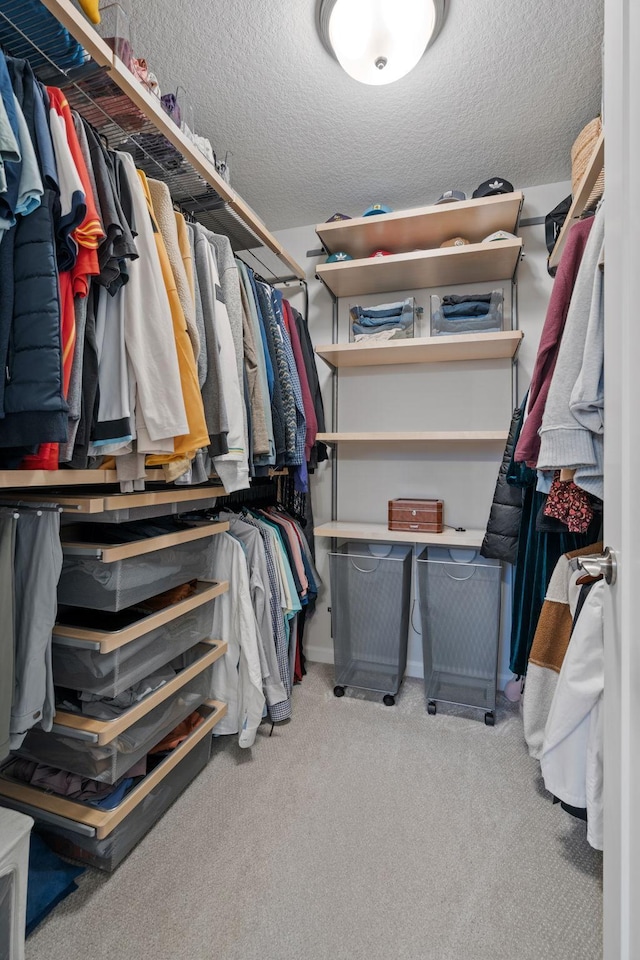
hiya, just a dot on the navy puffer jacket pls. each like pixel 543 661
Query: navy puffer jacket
pixel 501 539
pixel 33 404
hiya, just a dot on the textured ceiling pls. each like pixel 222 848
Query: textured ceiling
pixel 503 91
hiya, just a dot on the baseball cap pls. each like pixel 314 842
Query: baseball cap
pixel 336 217
pixel 500 235
pixel 451 196
pixel 492 187
pixel 375 209
pixel 455 242
pixel 339 257
pixel 381 253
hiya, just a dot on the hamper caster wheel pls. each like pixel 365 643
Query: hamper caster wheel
pixel 388 700
pixel 431 708
pixel 338 691
pixel 489 719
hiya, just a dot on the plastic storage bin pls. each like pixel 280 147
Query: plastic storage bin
pixel 105 750
pixel 109 852
pixel 460 609
pixel 103 838
pixel 370 599
pixel 116 577
pixel 15 830
pixel 105 662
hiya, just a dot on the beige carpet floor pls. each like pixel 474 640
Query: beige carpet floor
pixel 355 832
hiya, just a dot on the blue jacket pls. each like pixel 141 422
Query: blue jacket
pixel 32 406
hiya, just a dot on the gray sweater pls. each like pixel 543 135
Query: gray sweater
pixel 572 428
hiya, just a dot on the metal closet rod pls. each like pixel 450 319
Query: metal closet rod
pixel 37 508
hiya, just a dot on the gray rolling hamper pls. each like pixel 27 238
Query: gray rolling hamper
pixel 460 611
pixel 370 600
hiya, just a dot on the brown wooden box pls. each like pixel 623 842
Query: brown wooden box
pixel 423 516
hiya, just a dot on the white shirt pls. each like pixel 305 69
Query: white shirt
pixel 237 677
pixel 572 751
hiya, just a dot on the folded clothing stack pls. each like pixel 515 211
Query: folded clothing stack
pixel 385 321
pixel 474 313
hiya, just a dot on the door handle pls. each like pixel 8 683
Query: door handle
pixel 602 565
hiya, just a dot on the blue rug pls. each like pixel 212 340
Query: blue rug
pixel 51 879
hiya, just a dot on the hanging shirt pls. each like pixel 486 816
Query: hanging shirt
pixel 232 467
pixel 237 677
pixel 572 752
pixel 185 446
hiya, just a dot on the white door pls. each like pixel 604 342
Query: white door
pixel 622 480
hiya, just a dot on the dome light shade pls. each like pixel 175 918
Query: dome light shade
pixel 379 41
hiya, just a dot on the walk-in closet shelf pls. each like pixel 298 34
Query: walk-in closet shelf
pixel 417 436
pixel 90 503
pixel 351 530
pixel 417 261
pixel 423 227
pixel 473 263
pixel 472 346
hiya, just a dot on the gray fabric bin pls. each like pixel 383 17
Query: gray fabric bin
pixel 460 611
pixel 370 598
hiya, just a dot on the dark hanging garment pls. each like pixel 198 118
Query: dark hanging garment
pixel 538 554
pixel 319 451
pixel 501 539
pixel 35 411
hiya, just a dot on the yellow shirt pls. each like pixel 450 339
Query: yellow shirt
pixel 187 445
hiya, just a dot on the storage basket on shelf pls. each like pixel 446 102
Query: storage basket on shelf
pixel 370 598
pixel 460 610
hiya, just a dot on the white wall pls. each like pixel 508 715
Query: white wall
pixel 443 396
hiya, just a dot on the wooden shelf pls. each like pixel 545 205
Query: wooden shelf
pixel 20 479
pixel 472 346
pixel 421 436
pixel 579 203
pixel 474 263
pixel 94 503
pixel 425 227
pixel 345 530
pixel 135 548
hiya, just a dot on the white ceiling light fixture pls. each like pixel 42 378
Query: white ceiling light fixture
pixel 379 41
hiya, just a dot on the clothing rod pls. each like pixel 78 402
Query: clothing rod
pixel 531 221
pixel 40 507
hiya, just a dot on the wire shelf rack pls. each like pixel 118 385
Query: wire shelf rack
pixel 28 30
